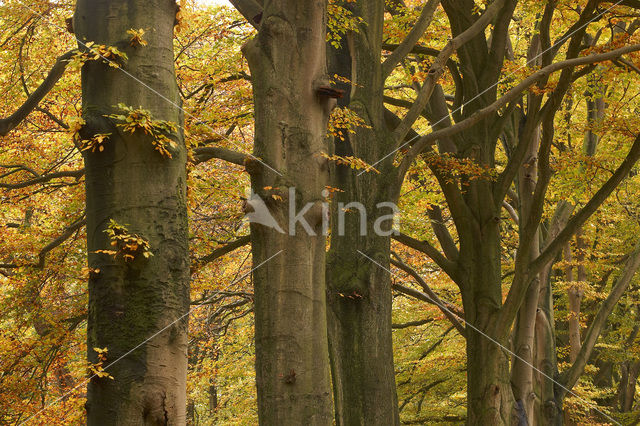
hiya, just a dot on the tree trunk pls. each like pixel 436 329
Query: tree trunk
pixel 489 393
pixel 627 387
pixel 359 295
pixel 288 65
pixel 359 301
pixel 522 375
pixel 575 295
pixel 138 298
pixel 548 410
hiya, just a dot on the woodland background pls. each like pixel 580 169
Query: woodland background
pixel 43 272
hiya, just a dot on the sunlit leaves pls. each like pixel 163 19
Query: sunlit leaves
pixel 344 120
pixel 91 51
pixel 127 246
pixel 96 143
pixel 133 120
pixel 97 368
pixel 137 37
pixel 340 21
pixel 352 162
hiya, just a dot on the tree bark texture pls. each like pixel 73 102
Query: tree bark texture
pixel 131 183
pixel 288 65
pixel 359 295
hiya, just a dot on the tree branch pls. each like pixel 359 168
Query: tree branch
pixel 250 9
pixel 512 212
pixel 451 311
pixel 442 233
pixel 77 174
pixel 220 251
pixel 437 68
pixel 56 72
pixel 570 377
pixel 512 94
pixel 206 153
pixel 523 276
pixel 424 247
pixel 583 215
pixel 410 324
pixel 411 39
pixel 66 234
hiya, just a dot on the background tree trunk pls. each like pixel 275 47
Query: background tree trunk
pixel 133 184
pixel 489 393
pixel 522 374
pixel 358 290
pixel 288 64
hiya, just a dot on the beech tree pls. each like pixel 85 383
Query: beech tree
pixel 288 69
pixel 132 140
pixel 481 119
pixel 135 167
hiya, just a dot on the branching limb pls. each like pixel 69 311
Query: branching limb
pixel 437 68
pixel 56 72
pixel 512 94
pixel 219 252
pixel 523 276
pixel 66 234
pixel 451 311
pixel 77 174
pixel 423 246
pixel 583 215
pixel 250 9
pixel 429 51
pixel 442 233
pixel 410 324
pixel 206 153
pixel 512 212
pixel 571 376
pixel 411 39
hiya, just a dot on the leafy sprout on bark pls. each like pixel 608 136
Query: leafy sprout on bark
pixel 137 37
pixel 133 120
pixel 128 246
pixel 110 55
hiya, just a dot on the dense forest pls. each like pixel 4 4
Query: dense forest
pixel 309 212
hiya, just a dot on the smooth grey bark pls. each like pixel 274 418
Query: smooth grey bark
pixel 522 375
pixel 548 405
pixel 133 184
pixel 288 65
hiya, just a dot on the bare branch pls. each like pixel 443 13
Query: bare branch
pixel 221 251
